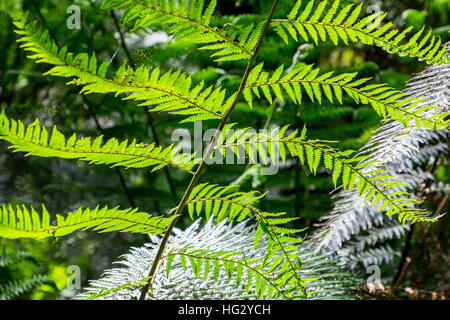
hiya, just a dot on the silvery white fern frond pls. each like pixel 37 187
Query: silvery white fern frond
pixel 328 281
pixel 399 150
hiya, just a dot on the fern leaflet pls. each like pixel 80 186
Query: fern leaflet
pixel 384 100
pixel 271 282
pixel 15 288
pixel 344 24
pixel 34 140
pixel 21 222
pixel 170 92
pixel 219 202
pixel 191 23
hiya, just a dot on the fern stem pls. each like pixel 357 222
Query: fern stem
pixel 211 146
pixel 203 25
pixel 297 173
pixel 44 21
pixel 405 261
pixel 149 118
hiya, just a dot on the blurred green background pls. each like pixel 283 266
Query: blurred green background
pixel 61 185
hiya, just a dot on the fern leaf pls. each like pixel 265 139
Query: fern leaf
pixel 35 140
pixel 248 271
pixel 192 24
pixel 321 24
pixel 373 185
pixel 402 154
pixel 384 100
pixel 106 292
pixel 15 288
pixel 211 283
pixel 23 222
pixel 170 92
pixel 7 260
pixel 219 203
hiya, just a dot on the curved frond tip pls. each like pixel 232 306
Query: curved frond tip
pixel 317 22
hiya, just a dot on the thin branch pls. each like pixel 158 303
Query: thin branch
pixel 122 39
pixel 118 172
pixel 149 118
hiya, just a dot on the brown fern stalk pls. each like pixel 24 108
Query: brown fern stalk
pixel 152 274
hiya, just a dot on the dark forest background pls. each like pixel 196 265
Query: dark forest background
pixel 65 185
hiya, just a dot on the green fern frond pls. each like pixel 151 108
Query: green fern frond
pixel 170 92
pixel 330 281
pixel 318 24
pixel 21 222
pixel 374 185
pixel 7 260
pixel 191 22
pixel 15 288
pixel 304 78
pixel 34 140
